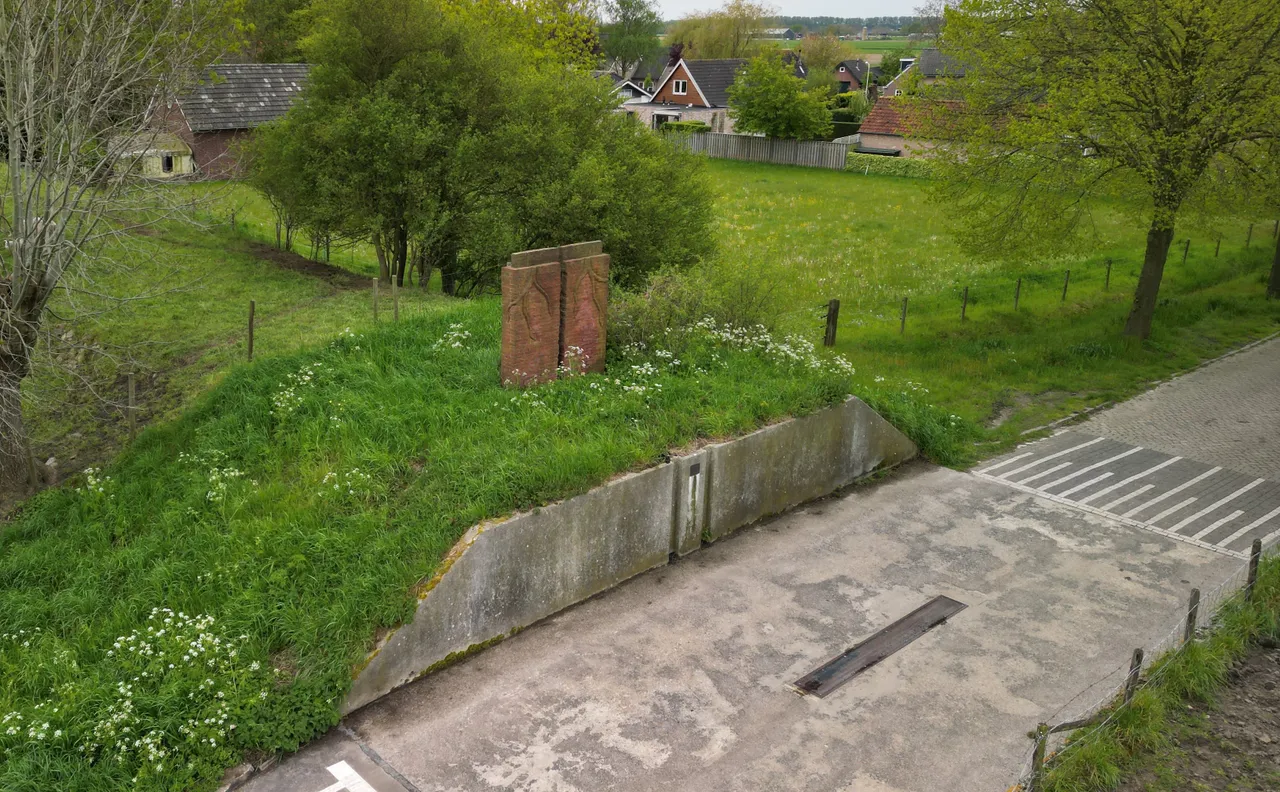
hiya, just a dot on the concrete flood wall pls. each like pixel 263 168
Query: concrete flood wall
pixel 508 574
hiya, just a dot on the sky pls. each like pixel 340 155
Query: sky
pixel 674 9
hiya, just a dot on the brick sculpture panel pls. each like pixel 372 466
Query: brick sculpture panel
pixel 530 323
pixel 585 300
pixel 554 312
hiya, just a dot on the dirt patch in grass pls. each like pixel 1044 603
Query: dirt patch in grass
pixel 1231 747
pixel 337 277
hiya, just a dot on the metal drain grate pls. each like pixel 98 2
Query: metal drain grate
pixel 851 662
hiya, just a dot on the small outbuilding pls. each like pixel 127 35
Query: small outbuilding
pixel 154 155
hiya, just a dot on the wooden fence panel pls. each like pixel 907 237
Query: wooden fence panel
pixel 809 153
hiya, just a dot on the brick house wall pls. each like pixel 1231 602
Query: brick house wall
pixel 668 93
pixel 715 117
pixel 214 153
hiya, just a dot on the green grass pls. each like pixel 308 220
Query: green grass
pixel 1097 759
pixel 298 503
pixel 810 235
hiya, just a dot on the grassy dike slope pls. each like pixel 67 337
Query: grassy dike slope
pixel 209 593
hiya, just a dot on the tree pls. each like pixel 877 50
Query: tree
pixel 931 16
pixel 1134 98
pixel 81 80
pixel 405 140
pixel 632 32
pixel 891 62
pixel 822 53
pixel 767 97
pixel 728 32
pixel 273 28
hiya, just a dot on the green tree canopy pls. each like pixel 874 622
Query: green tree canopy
pixel 406 139
pixel 768 98
pixel 731 31
pixel 631 33
pixel 1070 99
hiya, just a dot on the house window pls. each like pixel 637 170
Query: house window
pixel 679 87
pixel 896 92
pixel 166 163
pixel 842 70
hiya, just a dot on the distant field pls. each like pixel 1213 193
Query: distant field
pixel 813 235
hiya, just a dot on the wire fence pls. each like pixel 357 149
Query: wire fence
pixel 1074 726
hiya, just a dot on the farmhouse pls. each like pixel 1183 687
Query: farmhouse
pixel 852 75
pixel 786 34
pixel 930 68
pixel 228 104
pixel 697 90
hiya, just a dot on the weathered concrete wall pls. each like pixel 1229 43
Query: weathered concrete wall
pixel 509 574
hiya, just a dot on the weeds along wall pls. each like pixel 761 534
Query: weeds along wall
pixel 506 575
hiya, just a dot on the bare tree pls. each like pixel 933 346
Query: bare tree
pixel 932 16
pixel 81 85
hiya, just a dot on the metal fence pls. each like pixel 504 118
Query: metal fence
pixel 811 153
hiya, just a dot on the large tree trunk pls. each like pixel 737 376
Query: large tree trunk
pixel 15 459
pixel 1159 239
pixel 402 254
pixel 1273 283
pixel 384 271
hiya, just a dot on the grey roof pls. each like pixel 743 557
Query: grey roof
pixel 243 95
pixel 858 68
pixel 933 63
pixel 715 76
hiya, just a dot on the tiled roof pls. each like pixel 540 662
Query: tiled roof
pixel 906 117
pixel 933 63
pixel 243 95
pixel 715 76
pixel 883 119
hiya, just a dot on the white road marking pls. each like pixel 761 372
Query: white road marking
pixel 1030 465
pixel 1213 506
pixel 1085 485
pixel 1124 498
pixel 1048 472
pixel 1171 510
pixel 1269 538
pixel 1172 492
pixel 1008 461
pixel 348 780
pixel 1094 466
pixel 1250 527
pixel 1218 524
pixel 1129 480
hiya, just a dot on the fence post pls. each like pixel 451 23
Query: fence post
pixel 1255 555
pixel 375 299
pixel 1017 292
pixel 1185 250
pixel 902 328
pixel 1066 283
pixel 1106 286
pixel 1037 758
pixel 1193 614
pixel 964 304
pixel 1135 671
pixel 395 298
pixel 253 307
pixel 1248 237
pixel 133 403
pixel 833 317
pixel 1218 246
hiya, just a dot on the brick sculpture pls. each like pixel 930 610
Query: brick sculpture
pixel 554 311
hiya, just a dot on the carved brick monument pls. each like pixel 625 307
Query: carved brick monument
pixel 554 311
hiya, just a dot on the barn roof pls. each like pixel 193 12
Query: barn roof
pixel 243 95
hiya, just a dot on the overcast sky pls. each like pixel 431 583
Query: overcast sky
pixel 674 9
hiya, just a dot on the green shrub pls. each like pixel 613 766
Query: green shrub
pixel 843 128
pixel 889 166
pixel 686 126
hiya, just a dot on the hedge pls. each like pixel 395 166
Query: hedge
pixel 686 126
pixel 888 166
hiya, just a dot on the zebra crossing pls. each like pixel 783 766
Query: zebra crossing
pixel 1208 506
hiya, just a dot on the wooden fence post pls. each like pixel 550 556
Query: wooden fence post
pixel 133 406
pixel 1017 293
pixel 1106 286
pixel 253 308
pixel 1185 250
pixel 1193 614
pixel 902 328
pixel 1066 282
pixel 964 304
pixel 1218 246
pixel 375 299
pixel 833 317
pixel 1255 555
pixel 1248 237
pixel 1037 758
pixel 395 298
pixel 1135 671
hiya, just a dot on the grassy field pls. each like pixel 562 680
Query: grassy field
pixel 869 241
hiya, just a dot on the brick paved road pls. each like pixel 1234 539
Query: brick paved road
pixel 1227 413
